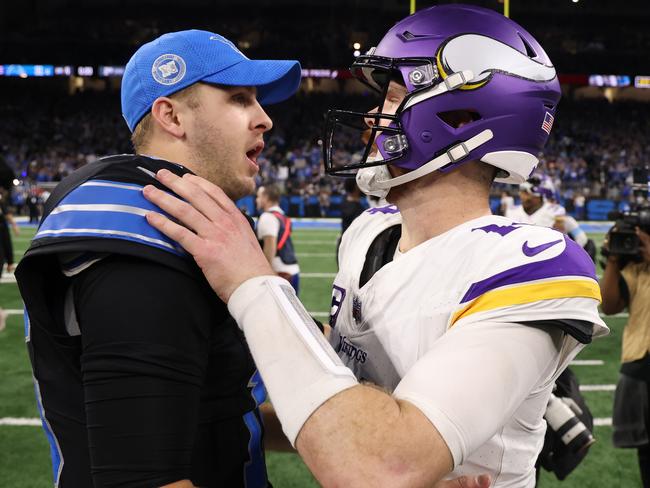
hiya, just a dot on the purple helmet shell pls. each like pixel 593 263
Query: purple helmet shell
pixel 513 92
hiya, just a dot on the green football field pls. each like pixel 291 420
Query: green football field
pixel 24 453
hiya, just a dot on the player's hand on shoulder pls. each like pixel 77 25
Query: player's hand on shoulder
pixel 213 230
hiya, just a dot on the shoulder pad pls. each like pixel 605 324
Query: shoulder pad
pixel 104 201
pixel 567 272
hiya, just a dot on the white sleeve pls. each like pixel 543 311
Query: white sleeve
pixel 299 368
pixel 575 231
pixel 267 225
pixel 476 376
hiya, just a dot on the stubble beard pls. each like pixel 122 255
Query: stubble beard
pixel 218 162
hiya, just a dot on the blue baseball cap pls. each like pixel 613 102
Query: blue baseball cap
pixel 179 59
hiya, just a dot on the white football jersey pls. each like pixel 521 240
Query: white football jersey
pixel 487 269
pixel 544 216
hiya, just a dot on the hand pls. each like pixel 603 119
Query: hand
pixel 10 268
pixel 16 230
pixel 482 481
pixel 215 232
pixel 604 250
pixel 644 245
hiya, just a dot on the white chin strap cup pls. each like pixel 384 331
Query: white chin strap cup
pixel 377 180
pixel 367 180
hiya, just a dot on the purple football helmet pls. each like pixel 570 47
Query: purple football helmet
pixel 451 59
pixel 540 186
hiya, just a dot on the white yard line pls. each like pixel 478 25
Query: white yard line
pixel 316 255
pixel 616 315
pixel 8 278
pixel 603 422
pixel 597 387
pixel 314 242
pixel 319 314
pixel 36 422
pixel 587 362
pixel 20 421
pixel 317 275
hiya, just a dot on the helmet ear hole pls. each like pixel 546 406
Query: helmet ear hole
pixel 459 118
pixel 530 52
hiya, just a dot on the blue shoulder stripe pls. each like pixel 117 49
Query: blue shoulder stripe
pixel 106 209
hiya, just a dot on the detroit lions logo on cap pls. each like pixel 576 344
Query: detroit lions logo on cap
pixel 168 69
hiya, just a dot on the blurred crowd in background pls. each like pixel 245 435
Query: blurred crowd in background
pixel 593 146
pixel 46 133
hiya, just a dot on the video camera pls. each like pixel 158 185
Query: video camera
pixel 623 240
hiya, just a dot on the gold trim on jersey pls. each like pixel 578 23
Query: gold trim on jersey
pixel 529 293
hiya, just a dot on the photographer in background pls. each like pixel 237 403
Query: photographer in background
pixel 626 283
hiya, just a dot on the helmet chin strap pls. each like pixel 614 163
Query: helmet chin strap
pixel 377 180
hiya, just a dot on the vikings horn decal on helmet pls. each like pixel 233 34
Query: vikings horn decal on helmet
pixel 451 59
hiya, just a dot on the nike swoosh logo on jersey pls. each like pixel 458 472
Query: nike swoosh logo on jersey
pixel 535 250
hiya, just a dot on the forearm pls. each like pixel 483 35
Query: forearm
pixel 323 410
pixel 364 437
pixel 274 438
pixel 612 301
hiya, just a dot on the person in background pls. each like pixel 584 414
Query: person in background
pixel 6 217
pixel 507 202
pixel 33 204
pixel 536 206
pixel 6 249
pixel 626 284
pixel 570 226
pixel 6 221
pixel 539 207
pixel 351 208
pixel 274 234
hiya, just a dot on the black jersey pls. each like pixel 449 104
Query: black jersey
pixel 142 377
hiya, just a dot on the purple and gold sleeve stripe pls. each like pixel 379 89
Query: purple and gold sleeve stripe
pixel 573 261
pixel 570 274
pixel 528 293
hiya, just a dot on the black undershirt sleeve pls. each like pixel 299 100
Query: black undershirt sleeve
pixel 580 330
pixel 144 330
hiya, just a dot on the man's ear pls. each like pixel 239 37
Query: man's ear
pixel 165 112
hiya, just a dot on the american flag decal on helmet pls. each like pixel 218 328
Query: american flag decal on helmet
pixel 547 125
